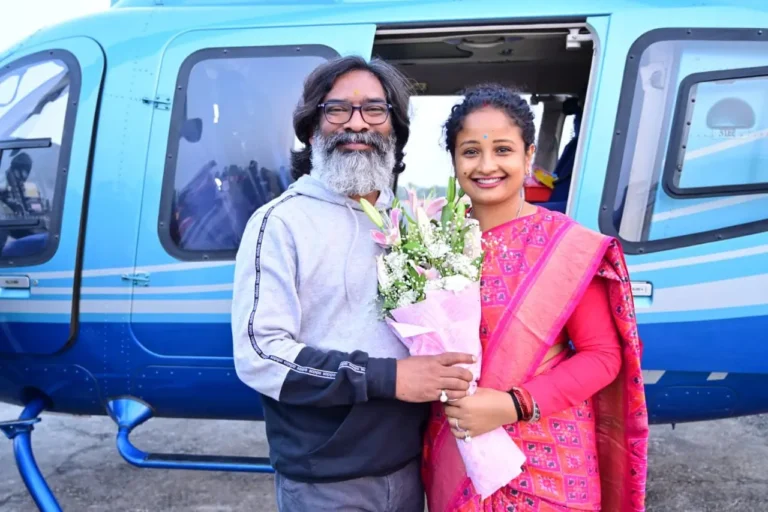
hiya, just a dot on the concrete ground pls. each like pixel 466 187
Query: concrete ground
pixel 702 467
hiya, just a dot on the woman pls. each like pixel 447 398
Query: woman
pixel 576 410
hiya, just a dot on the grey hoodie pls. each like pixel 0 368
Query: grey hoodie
pixel 308 336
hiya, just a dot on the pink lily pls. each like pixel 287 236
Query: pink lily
pixel 390 233
pixel 432 207
pixel 430 274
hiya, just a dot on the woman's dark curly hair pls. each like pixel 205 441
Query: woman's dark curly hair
pixel 490 95
pixel 306 117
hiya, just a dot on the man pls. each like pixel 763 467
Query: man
pixel 344 405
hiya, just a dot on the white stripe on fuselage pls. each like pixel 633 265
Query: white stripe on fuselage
pixel 121 306
pixel 727 293
pixel 698 260
pixel 137 290
pixel 102 272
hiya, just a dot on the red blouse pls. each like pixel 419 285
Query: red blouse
pixel 596 361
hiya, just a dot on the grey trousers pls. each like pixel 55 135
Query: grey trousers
pixel 401 491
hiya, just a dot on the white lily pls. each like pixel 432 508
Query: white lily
pixel 473 240
pixel 456 283
pixel 383 275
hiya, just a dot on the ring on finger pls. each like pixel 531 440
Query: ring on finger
pixel 443 396
pixel 467 437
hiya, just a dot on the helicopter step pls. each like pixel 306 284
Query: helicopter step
pixel 20 432
pixel 130 412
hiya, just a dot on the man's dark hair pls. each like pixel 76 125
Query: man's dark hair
pixel 306 117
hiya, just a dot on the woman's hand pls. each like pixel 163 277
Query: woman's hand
pixel 482 412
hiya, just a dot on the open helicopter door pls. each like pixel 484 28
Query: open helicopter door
pixel 220 147
pixel 683 183
pixel 48 100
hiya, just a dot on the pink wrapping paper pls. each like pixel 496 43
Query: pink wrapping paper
pixel 449 321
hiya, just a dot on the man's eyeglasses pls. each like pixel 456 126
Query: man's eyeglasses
pixel 340 112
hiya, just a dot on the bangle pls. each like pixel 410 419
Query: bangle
pixel 526 404
pixel 536 411
pixel 518 410
pixel 526 407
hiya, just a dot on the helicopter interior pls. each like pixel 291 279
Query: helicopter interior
pixel 549 65
pixel 32 108
pixel 224 170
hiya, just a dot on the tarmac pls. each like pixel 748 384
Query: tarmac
pixel 697 467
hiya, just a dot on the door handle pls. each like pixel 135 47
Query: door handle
pixel 642 289
pixel 642 293
pixel 14 287
pixel 140 278
pixel 14 282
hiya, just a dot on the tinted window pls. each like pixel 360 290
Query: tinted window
pixel 33 111
pixel 716 143
pixel 726 123
pixel 231 137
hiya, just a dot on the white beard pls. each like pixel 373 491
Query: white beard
pixel 353 173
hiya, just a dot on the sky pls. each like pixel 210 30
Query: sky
pixel 21 19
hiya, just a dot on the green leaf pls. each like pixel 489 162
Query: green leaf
pixel 461 212
pixel 413 246
pixel 389 303
pixel 372 213
pixel 447 215
pixel 451 190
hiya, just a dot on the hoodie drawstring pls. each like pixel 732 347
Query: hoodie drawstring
pixel 349 253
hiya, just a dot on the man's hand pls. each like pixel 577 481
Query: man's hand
pixel 423 378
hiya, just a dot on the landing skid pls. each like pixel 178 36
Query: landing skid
pixel 20 431
pixel 129 413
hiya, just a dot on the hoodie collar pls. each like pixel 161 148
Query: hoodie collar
pixel 308 185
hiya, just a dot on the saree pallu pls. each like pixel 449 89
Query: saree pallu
pixel 592 456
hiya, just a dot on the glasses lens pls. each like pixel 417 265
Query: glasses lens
pixel 375 113
pixel 338 113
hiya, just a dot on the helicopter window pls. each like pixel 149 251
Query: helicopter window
pixel 33 108
pixel 724 122
pixel 689 155
pixel 231 136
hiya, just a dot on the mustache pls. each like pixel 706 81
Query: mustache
pixel 377 141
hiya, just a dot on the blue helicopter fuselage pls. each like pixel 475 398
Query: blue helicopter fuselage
pixel 135 143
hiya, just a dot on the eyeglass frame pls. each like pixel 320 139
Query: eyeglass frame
pixel 353 107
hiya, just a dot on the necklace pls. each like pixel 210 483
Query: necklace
pixel 522 202
pixel 520 208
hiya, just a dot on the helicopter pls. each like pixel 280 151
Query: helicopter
pixel 135 143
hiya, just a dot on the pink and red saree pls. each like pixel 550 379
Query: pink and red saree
pixel 592 456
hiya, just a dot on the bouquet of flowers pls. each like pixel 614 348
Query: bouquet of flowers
pixel 429 285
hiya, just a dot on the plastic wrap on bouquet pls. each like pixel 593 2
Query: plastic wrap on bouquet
pixel 449 321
